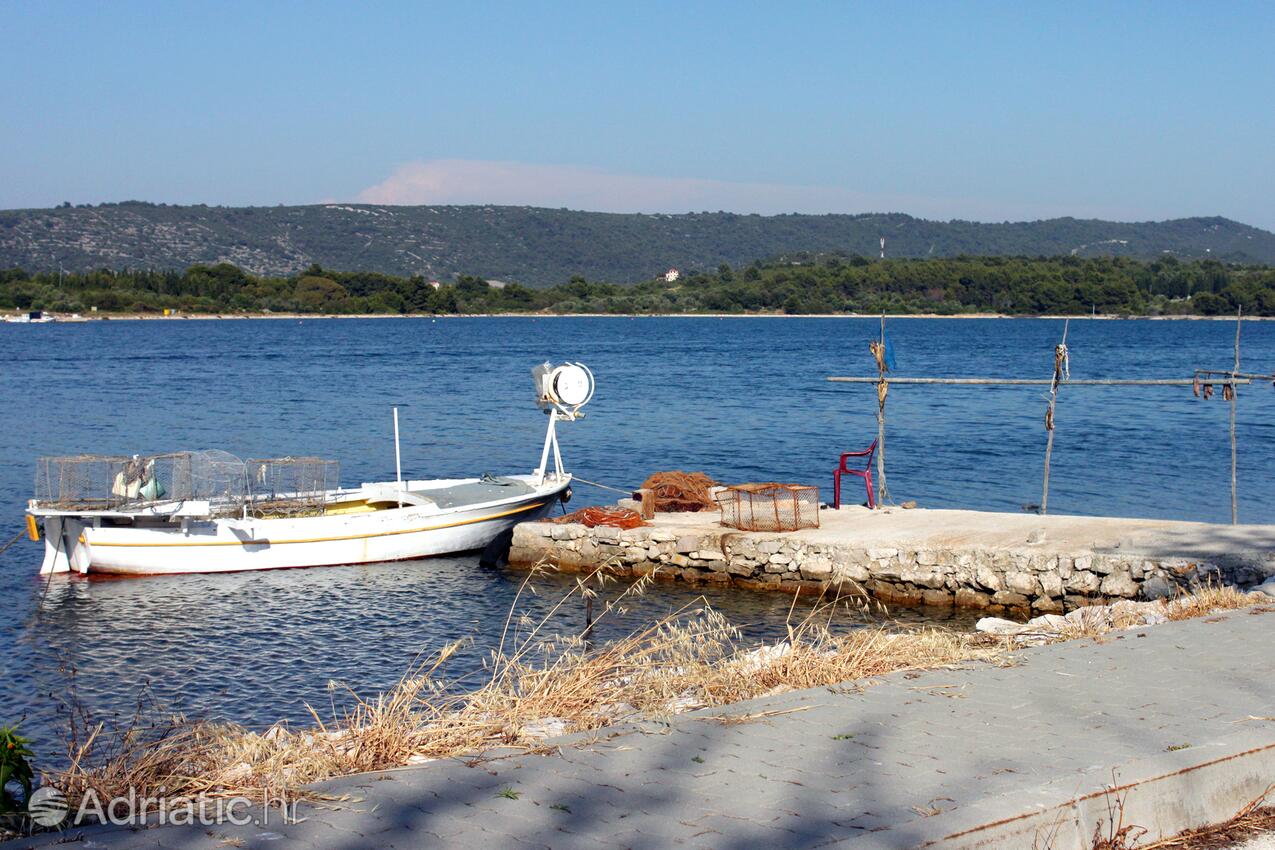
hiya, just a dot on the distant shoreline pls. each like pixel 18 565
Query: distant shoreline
pixel 150 317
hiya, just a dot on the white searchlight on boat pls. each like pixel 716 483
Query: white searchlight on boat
pixel 561 391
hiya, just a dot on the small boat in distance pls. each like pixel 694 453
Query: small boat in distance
pixel 209 511
pixel 35 317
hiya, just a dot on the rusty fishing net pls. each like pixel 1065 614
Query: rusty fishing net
pixel 681 492
pixel 593 517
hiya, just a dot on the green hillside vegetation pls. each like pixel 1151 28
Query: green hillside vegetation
pixel 540 247
pixel 797 284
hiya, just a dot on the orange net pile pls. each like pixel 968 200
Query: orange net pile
pixel 593 517
pixel 684 492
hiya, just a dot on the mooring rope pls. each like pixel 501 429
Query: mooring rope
pixel 603 486
pixel 39 608
pixel 15 539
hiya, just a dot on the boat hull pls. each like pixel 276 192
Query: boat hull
pixel 233 545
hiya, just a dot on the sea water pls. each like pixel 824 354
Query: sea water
pixel 744 399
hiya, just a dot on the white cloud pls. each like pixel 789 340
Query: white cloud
pixel 468 181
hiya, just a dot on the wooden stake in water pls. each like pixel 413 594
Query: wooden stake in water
pixel 1060 356
pixel 1235 504
pixel 588 617
pixel 398 461
pixel 882 388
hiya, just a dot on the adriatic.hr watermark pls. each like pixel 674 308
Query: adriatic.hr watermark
pixel 48 807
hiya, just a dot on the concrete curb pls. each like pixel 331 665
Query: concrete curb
pixel 1190 788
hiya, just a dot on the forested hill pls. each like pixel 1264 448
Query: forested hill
pixel 541 247
pixel 797 284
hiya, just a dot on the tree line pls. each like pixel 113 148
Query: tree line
pixel 795 284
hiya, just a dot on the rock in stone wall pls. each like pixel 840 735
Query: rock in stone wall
pixel 1000 581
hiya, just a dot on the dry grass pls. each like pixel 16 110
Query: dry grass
pixel 1255 818
pixel 1207 600
pixel 1099 620
pixel 689 659
pixel 1114 833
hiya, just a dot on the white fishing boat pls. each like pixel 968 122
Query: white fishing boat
pixel 35 317
pixel 208 511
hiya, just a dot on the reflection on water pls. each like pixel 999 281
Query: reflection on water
pixel 257 647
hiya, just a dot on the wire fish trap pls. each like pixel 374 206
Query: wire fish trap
pixel 291 486
pixel 79 482
pixel 121 482
pixel 769 507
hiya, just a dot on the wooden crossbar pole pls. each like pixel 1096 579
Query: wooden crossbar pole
pixel 1231 373
pixel 1225 378
pixel 1074 382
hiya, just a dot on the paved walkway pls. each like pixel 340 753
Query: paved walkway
pixel 912 759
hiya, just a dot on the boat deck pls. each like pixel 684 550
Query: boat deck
pixel 476 492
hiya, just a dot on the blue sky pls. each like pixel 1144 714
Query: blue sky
pixel 987 111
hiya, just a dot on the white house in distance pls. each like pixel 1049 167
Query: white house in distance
pixel 671 275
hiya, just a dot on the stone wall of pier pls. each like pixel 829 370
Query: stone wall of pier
pixel 1014 582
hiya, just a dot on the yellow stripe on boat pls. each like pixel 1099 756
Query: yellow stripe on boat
pixel 347 508
pixel 33 530
pixel 523 509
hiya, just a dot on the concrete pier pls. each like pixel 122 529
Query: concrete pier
pixel 1011 564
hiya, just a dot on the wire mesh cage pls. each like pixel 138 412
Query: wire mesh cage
pixel 769 506
pixel 292 486
pixel 214 476
pixel 79 482
pixel 114 482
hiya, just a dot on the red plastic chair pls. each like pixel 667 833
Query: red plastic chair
pixel 865 474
